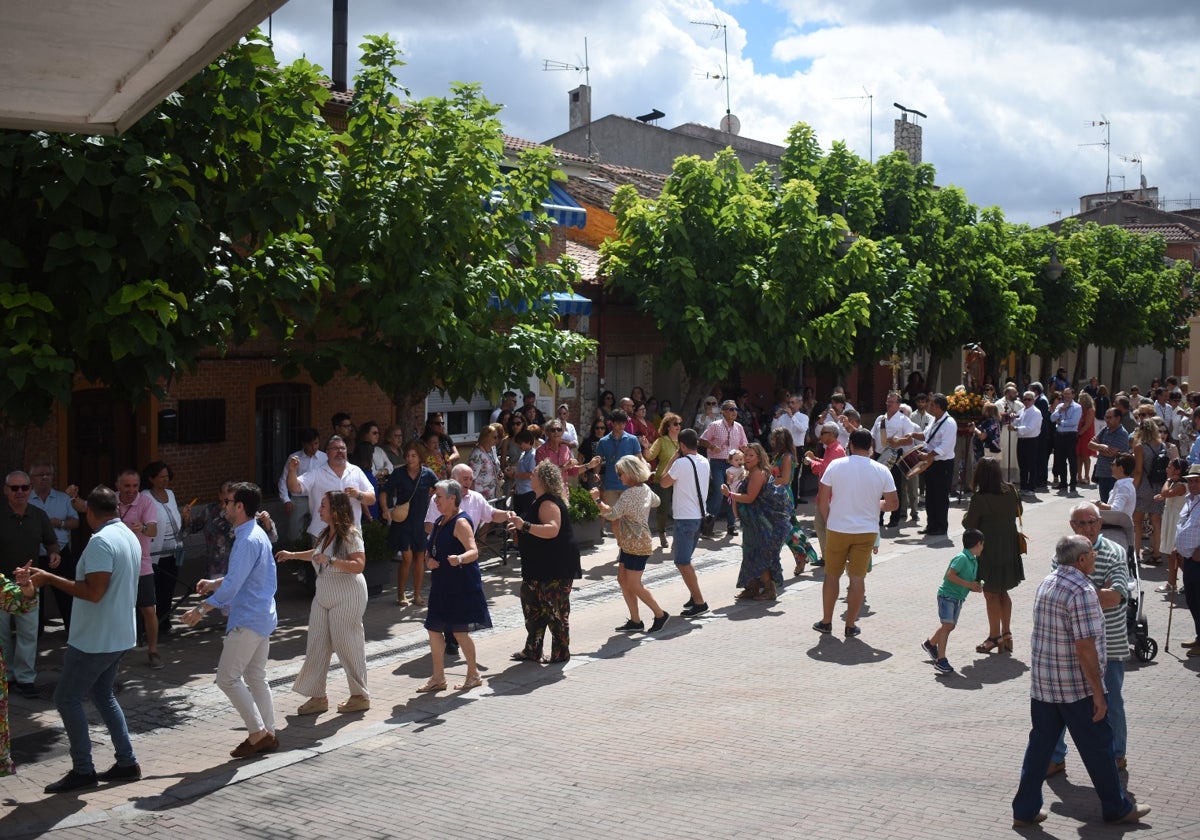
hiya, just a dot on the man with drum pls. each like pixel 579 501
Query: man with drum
pixel 893 439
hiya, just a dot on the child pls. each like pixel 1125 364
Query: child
pixel 735 474
pixel 1123 496
pixel 959 580
pixel 1173 493
pixel 524 472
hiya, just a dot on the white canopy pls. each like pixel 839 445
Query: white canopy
pixel 98 66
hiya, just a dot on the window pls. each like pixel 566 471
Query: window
pixel 201 421
pixel 464 419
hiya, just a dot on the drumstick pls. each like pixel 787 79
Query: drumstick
pixel 193 501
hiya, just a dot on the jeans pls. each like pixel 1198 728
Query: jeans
pixel 20 645
pixel 91 675
pixel 687 535
pixel 716 499
pixel 1114 680
pixel 1093 741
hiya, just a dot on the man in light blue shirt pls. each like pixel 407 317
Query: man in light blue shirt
pixel 248 593
pixel 1066 417
pixel 102 629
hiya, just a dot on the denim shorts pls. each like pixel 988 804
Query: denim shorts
pixel 633 562
pixel 687 534
pixel 948 609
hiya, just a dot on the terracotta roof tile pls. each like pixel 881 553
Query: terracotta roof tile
pixel 1176 232
pixel 588 260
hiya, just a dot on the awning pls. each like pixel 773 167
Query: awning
pixel 564 303
pixel 560 207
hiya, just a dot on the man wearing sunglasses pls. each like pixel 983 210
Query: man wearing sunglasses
pixel 1029 436
pixel 24 531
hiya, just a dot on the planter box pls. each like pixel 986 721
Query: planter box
pixel 589 533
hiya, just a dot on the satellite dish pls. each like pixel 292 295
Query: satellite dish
pixel 731 124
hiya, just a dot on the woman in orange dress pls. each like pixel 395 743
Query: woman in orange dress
pixel 1087 431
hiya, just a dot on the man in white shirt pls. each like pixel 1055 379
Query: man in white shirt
pixel 939 446
pixel 892 435
pixel 336 474
pixel 854 491
pixel 689 475
pixel 1029 435
pixel 295 506
pixel 793 418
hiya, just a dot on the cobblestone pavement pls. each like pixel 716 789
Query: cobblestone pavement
pixel 744 722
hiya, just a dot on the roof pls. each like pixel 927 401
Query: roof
pixel 1169 232
pixel 1134 214
pixel 588 259
pixel 519 144
pixel 99 67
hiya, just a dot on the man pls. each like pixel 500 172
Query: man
pixel 1163 409
pixel 139 512
pixel 1067 689
pixel 791 416
pixel 892 435
pixel 719 439
pixel 1066 417
pixel 612 447
pixel 1029 441
pixel 1180 423
pixel 539 419
pixel 296 507
pixel 24 531
pixel 63 519
pixel 1128 421
pixel 247 591
pixel 103 628
pixel 337 473
pixel 854 491
pixel 939 449
pixel 836 408
pixel 1092 388
pixel 1046 442
pixel 1187 541
pixel 508 401
pixel 1108 443
pixel 343 427
pixel 1110 577
pixel 688 474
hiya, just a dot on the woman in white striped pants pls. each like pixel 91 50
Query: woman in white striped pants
pixel 335 621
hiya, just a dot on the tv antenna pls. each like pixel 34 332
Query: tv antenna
pixel 870 118
pixel 1107 144
pixel 729 123
pixel 1138 160
pixel 551 64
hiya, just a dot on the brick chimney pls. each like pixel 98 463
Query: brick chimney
pixel 908 139
pixel 580 107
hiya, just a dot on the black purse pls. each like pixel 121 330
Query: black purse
pixel 708 524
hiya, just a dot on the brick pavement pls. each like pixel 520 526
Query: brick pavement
pixel 742 723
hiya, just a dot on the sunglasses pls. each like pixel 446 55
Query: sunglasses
pixel 18 488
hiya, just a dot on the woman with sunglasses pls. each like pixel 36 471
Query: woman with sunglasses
pixel 570 434
pixel 608 401
pixel 587 454
pixel 558 453
pixel 510 451
pixel 661 453
pixel 708 414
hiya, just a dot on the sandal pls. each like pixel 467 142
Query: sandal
pixel 522 656
pixel 799 570
pixel 556 660
pixel 988 645
pixel 468 684
pixel 1006 642
pixel 766 593
pixel 433 686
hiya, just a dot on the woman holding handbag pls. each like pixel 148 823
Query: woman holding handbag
pixel 405 501
pixel 166 546
pixel 994 510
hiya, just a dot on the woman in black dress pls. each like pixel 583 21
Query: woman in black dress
pixel 456 601
pixel 549 564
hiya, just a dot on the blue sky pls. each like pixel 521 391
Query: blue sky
pixel 1008 85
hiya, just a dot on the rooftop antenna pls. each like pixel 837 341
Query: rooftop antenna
pixel 729 123
pixel 1107 144
pixel 550 64
pixel 1138 160
pixel 871 117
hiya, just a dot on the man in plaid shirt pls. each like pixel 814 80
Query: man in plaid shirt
pixel 1067 688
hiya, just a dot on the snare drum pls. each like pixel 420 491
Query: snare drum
pixel 888 457
pixel 914 462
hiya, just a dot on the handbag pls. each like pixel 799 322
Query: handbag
pixel 400 511
pixel 708 524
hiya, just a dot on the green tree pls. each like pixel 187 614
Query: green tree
pixel 123 257
pixel 434 249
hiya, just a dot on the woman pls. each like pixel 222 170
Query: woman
pixel 457 604
pixel 17 599
pixel 485 463
pixel 653 416
pixel 558 453
pixel 335 620
pixel 630 521
pixel 640 424
pixel 393 446
pixel 605 406
pixel 370 457
pixel 827 437
pixel 660 454
pixel 708 414
pixel 156 480
pixel 766 523
pixel 994 509
pixel 1087 431
pixel 510 452
pixel 638 394
pixel 1173 495
pixel 549 563
pixel 218 533
pixel 783 460
pixel 986 435
pixel 587 452
pixel 432 455
pixel 570 433
pixel 1147 445
pixel 1103 402
pixel 411 485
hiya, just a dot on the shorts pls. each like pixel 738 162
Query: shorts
pixel 145 593
pixel 948 609
pixel 848 550
pixel 633 562
pixel 686 536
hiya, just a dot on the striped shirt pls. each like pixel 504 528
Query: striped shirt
pixel 1112 572
pixel 1065 609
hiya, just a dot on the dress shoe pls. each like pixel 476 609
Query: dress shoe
pixel 1134 814
pixel 27 690
pixel 1040 817
pixel 117 773
pixel 248 748
pixel 72 781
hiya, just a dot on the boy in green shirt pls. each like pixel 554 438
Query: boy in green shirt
pixel 958 581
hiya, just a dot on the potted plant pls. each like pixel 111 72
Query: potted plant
pixel 585 517
pixel 378 570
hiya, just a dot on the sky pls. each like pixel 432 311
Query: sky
pixel 1012 90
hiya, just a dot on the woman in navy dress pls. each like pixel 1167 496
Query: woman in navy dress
pixel 456 601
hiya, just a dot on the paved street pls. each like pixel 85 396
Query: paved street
pixel 744 722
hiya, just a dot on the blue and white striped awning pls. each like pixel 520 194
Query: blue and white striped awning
pixel 564 303
pixel 560 207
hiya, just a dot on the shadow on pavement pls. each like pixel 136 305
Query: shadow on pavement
pixel 995 669
pixel 834 649
pixel 32 819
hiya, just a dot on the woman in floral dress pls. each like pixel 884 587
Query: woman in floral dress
pixel 766 521
pixel 18 600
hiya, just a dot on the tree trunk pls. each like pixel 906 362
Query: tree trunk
pixel 12 448
pixel 689 406
pixel 1046 372
pixel 410 413
pixel 932 385
pixel 1080 365
pixel 1118 363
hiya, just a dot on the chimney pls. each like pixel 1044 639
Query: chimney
pixel 580 107
pixel 908 139
pixel 341 13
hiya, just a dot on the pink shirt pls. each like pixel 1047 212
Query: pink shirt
pixel 546 452
pixel 721 437
pixel 833 451
pixel 141 511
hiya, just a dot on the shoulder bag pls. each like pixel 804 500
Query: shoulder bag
pixel 708 524
pixel 400 512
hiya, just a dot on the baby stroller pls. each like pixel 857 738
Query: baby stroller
pixel 1118 527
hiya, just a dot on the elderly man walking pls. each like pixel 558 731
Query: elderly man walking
pixel 1067 688
pixel 854 491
